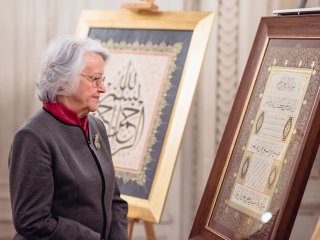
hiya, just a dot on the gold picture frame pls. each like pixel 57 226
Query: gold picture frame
pixel 180 38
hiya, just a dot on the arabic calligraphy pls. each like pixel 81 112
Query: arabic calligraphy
pixel 265 147
pixel 138 79
pixel 249 198
pixel 130 110
pixel 281 104
pixel 263 156
pixel 285 90
pixel 258 172
pixel 273 126
pixel 286 84
pixel 122 109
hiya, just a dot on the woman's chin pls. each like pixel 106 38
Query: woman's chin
pixel 93 108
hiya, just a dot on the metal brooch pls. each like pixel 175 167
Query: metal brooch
pixel 96 141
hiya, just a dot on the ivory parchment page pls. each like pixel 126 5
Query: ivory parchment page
pixel 133 79
pixel 271 131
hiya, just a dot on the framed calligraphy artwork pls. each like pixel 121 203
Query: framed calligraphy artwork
pixel 271 138
pixel 151 77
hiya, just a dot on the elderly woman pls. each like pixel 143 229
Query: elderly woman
pixel 62 179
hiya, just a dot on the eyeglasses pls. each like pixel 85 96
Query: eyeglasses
pixel 97 80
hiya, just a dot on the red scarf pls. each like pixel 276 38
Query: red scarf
pixel 64 114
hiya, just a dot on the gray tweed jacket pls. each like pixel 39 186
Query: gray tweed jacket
pixel 62 187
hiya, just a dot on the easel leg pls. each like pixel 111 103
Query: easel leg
pixel 149 230
pixel 148 227
pixel 130 227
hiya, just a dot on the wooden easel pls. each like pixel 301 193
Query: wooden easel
pixel 148 227
pixel 316 232
pixel 143 5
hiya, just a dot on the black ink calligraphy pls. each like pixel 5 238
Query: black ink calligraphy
pixel 122 109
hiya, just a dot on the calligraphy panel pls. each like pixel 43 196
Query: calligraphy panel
pixel 270 135
pixel 271 138
pixel 142 80
pixel 267 138
pixel 151 76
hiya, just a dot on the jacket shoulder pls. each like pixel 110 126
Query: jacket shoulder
pixel 37 120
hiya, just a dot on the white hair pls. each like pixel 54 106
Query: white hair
pixel 61 64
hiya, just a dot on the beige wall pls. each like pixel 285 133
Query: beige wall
pixel 26 28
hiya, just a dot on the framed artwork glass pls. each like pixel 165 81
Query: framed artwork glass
pixel 271 138
pixel 151 77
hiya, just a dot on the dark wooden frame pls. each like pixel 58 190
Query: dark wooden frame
pixel 283 28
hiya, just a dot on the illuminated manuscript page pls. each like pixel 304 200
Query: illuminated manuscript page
pixel 269 138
